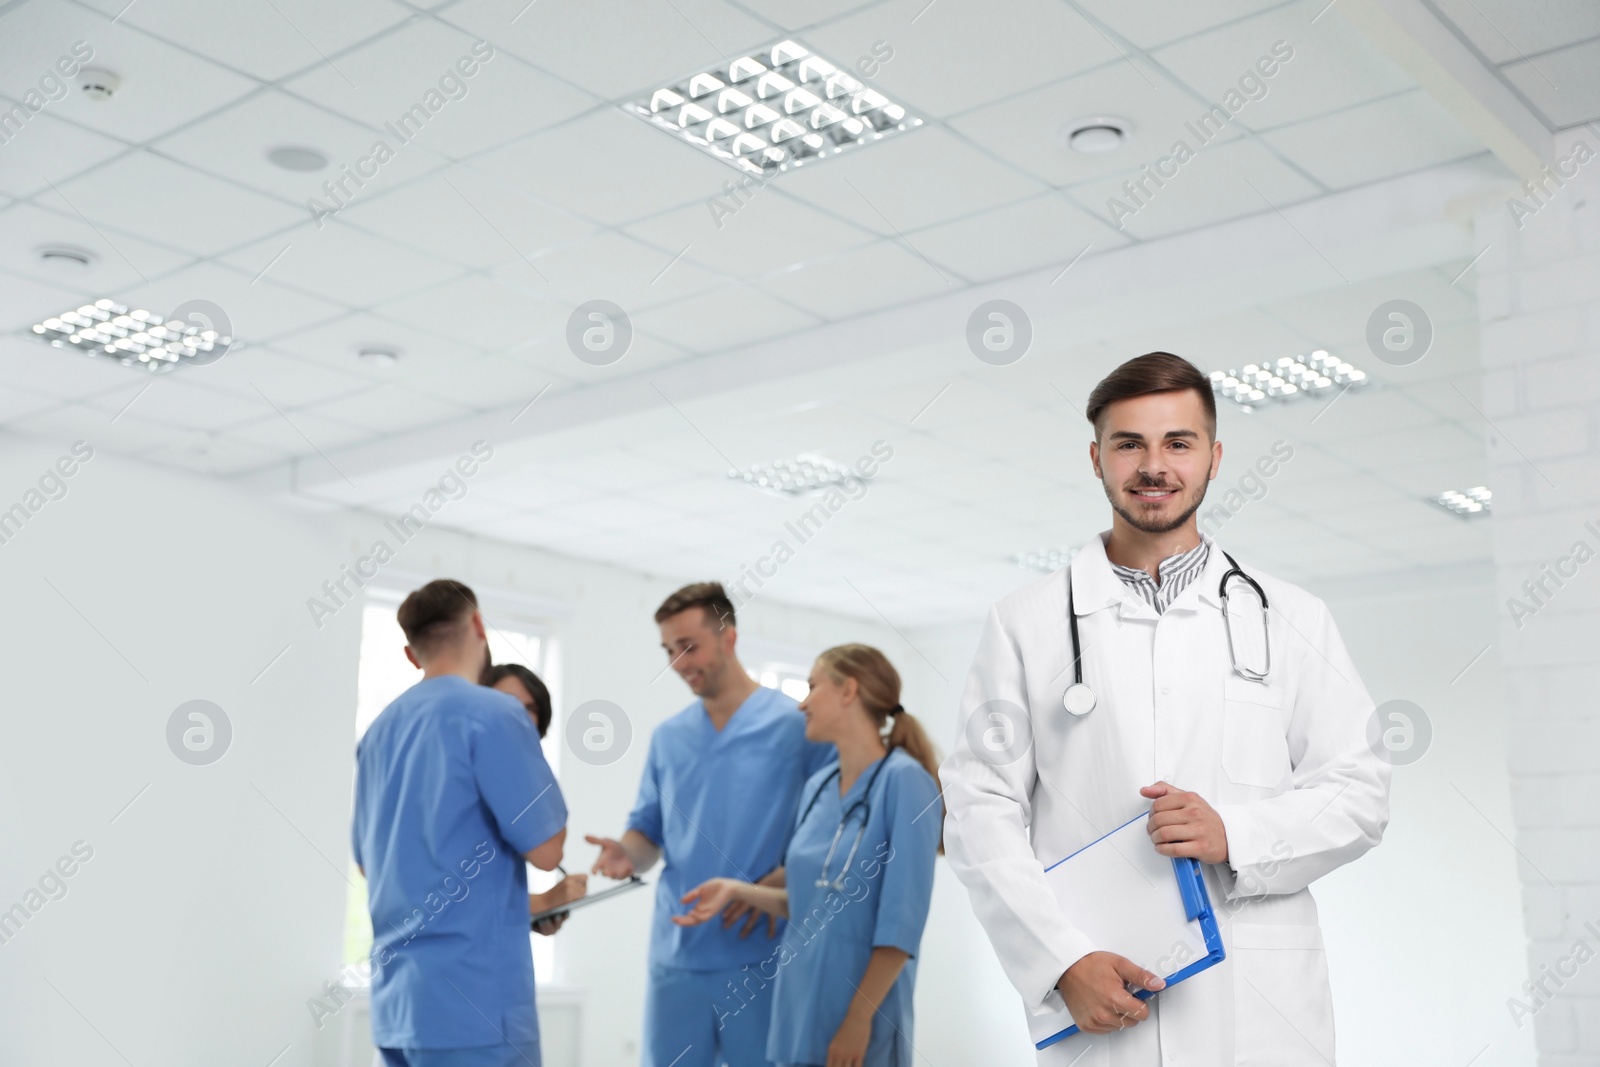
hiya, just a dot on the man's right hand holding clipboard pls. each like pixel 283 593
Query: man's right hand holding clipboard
pixel 570 888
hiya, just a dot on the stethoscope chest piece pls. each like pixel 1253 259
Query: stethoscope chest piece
pixel 1078 699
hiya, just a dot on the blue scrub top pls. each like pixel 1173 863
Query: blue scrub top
pixel 451 789
pixel 720 804
pixel 832 933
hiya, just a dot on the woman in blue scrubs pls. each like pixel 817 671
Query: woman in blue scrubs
pixel 518 681
pixel 858 876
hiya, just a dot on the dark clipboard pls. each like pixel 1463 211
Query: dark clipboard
pixel 633 882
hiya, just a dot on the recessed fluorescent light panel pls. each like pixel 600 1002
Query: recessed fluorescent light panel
pixel 800 476
pixel 1048 560
pixel 1289 379
pixel 1471 504
pixel 774 109
pixel 136 338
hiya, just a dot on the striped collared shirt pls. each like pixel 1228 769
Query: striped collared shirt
pixel 1176 574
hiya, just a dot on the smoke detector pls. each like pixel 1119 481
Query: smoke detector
pixel 66 258
pixel 297 157
pixel 1097 134
pixel 98 84
pixel 379 356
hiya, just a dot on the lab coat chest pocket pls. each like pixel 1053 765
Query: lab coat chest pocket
pixel 1255 748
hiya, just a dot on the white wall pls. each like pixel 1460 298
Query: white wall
pixel 1431 919
pixel 212 905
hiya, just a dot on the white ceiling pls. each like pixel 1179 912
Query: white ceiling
pixel 1547 54
pixel 765 335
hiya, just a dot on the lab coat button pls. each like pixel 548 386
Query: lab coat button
pixel 1165 690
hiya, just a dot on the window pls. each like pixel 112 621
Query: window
pixel 383 674
pixel 792 681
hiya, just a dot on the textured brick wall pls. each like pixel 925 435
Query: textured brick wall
pixel 1539 301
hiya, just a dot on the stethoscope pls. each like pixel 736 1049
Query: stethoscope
pixel 1079 699
pixel 865 804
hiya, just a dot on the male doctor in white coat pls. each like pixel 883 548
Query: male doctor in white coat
pixel 1269 783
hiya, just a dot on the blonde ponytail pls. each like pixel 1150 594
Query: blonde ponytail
pixel 907 733
pixel 878 684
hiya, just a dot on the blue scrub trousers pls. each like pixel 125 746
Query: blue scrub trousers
pixel 694 1019
pixel 508 1055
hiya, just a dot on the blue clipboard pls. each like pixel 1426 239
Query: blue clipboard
pixel 1124 855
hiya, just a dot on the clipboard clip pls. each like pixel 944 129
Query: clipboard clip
pixel 560 911
pixel 1190 886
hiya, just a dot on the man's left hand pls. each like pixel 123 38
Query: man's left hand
pixel 1183 824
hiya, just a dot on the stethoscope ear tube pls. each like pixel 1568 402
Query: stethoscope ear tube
pixel 1227 623
pixel 1080 699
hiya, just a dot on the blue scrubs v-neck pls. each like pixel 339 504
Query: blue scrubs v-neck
pixel 720 803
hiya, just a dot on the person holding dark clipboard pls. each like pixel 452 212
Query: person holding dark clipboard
pixel 453 799
pixel 1157 673
pixel 548 910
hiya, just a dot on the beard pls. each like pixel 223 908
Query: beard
pixel 1153 526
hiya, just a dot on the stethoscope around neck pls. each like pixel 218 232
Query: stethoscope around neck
pixel 864 802
pixel 1080 699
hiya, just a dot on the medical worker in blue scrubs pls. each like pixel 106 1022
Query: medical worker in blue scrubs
pixel 718 795
pixel 452 795
pixel 859 876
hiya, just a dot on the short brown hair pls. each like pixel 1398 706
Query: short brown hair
pixel 1153 372
pixel 432 616
pixel 707 595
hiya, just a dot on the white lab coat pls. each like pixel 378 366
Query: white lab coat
pixel 1286 763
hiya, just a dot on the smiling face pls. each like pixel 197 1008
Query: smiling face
pixel 698 650
pixel 1154 456
pixel 830 706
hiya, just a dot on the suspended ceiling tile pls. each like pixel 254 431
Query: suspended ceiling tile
pixel 46 149
pixel 769 233
pixel 646 42
pixel 470 218
pixel 1373 141
pixel 235 143
pixel 1231 180
pixel 863 279
pixel 952 57
pixel 341 263
pixel 1029 131
pixel 169 202
pixel 603 157
pixel 480 312
pixel 1152 23
pixel 1563 85
pixel 1329 65
pixel 1507 30
pixel 268 41
pixel 1045 231
pixel 916 179
pixel 163 87
pixel 432 86
pixel 724 318
pixel 30 228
